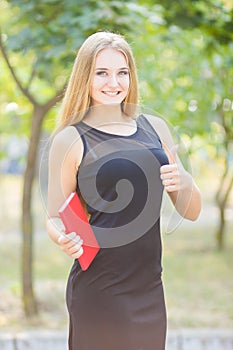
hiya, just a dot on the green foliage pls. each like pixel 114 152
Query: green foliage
pixel 186 84
pixel 213 17
pixel 183 49
pixel 42 37
pixel 53 30
pixel 185 75
pixel 14 108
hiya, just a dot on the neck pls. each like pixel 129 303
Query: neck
pixel 105 114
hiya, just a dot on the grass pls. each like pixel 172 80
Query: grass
pixel 197 278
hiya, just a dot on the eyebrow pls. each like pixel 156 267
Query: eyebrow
pixel 123 68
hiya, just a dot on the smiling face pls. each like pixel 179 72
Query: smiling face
pixel 111 78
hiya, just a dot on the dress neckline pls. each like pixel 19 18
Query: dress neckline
pixel 109 133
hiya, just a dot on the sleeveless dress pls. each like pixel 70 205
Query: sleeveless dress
pixel 118 303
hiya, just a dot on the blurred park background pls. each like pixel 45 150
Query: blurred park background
pixel 184 54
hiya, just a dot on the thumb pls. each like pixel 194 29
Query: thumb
pixel 172 154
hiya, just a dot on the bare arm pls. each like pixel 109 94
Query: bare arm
pixel 178 183
pixel 64 159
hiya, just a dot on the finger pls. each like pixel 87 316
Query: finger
pixel 67 238
pixel 171 153
pixel 170 176
pixel 71 235
pixel 168 182
pixel 75 248
pixel 63 238
pixel 74 238
pixel 60 238
pixel 171 188
pixel 77 239
pixel 70 244
pixel 173 158
pixel 169 168
pixel 78 253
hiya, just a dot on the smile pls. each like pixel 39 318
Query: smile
pixel 111 93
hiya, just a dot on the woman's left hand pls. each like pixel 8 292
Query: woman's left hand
pixel 170 174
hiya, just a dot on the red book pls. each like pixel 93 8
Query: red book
pixel 75 220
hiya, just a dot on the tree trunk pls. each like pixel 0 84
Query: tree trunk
pixel 29 300
pixel 226 182
pixel 221 227
pixel 222 196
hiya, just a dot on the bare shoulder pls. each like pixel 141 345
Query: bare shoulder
pixel 66 137
pixel 67 142
pixel 161 128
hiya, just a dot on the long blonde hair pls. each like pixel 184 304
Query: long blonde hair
pixel 77 99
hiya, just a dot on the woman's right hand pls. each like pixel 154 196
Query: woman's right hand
pixel 71 244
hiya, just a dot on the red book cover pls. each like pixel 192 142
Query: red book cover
pixel 75 220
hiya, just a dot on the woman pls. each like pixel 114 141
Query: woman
pixel 119 163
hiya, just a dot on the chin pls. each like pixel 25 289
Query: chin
pixel 107 103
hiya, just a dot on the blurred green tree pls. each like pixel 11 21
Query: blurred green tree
pixel 184 50
pixel 187 74
pixel 45 35
pixel 213 17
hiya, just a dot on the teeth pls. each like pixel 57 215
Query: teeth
pixel 111 93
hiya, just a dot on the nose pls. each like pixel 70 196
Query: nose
pixel 112 81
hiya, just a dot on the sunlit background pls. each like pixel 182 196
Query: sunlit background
pixel 184 55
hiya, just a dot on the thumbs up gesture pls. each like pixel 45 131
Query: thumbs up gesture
pixel 170 173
